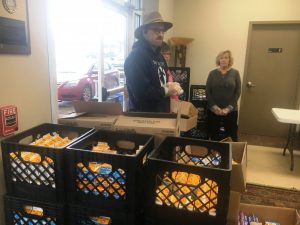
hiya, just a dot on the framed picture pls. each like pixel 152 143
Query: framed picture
pixel 14 27
pixel 182 76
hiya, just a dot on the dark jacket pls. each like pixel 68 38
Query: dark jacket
pixel 142 69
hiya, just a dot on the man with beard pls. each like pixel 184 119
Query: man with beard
pixel 146 69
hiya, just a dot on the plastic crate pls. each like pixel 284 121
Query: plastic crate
pixel 198 93
pixel 109 181
pixel 117 98
pixel 80 215
pixel 182 76
pixel 198 96
pixel 43 178
pixel 23 211
pixel 197 133
pixel 188 182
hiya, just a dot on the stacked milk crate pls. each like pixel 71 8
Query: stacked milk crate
pixel 34 169
pixel 106 178
pixel 182 76
pixel 188 182
pixel 198 99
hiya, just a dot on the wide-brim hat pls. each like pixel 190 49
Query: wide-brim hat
pixel 151 18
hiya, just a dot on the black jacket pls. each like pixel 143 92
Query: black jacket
pixel 143 69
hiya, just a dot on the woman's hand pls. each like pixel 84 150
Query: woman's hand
pixel 216 110
pixel 227 110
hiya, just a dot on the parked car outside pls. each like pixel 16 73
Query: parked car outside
pixel 85 87
pixel 118 62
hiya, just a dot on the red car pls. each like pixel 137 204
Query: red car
pixel 84 88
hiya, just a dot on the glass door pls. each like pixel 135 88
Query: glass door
pixel 90 43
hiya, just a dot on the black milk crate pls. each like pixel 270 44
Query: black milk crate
pixel 24 211
pixel 103 179
pixel 198 96
pixel 202 114
pixel 188 182
pixel 37 172
pixel 198 93
pixel 182 76
pixel 87 215
pixel 197 133
pixel 200 103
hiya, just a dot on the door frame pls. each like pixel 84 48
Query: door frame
pixel 247 58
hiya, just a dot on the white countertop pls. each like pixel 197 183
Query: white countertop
pixel 291 116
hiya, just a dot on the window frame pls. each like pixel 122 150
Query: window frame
pixel 129 9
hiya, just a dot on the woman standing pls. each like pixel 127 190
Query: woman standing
pixel 223 89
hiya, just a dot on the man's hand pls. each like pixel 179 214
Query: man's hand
pixel 173 89
pixel 178 88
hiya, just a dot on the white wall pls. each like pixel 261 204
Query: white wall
pixel 166 9
pixel 24 80
pixel 223 24
pixel 150 5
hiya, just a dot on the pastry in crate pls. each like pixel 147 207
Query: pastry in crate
pixel 184 190
pixel 99 178
pixel 53 141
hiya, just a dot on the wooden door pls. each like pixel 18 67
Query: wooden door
pixel 271 77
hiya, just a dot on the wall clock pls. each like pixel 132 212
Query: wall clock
pixel 10 5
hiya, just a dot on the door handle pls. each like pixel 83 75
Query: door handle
pixel 249 84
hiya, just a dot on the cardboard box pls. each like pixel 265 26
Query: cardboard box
pixel 283 216
pixel 159 125
pixel 189 114
pixel 234 207
pixel 239 166
pixel 99 115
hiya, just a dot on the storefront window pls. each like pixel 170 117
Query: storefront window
pixel 90 34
